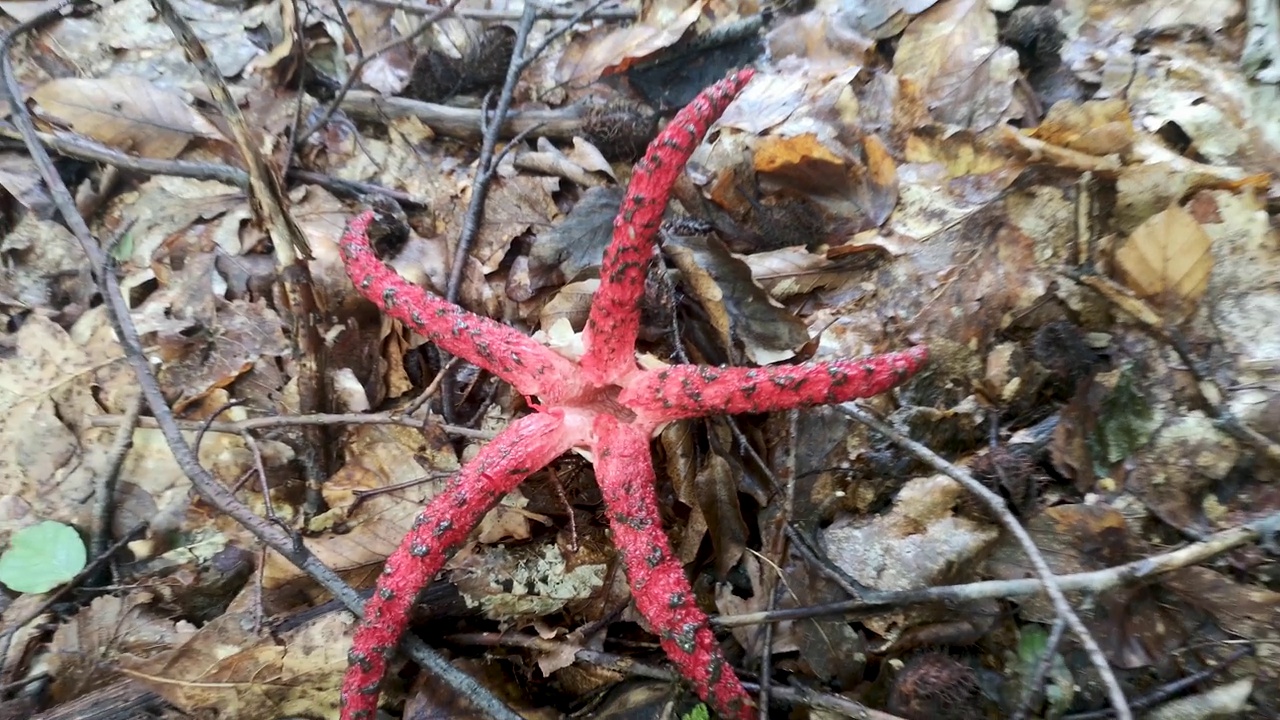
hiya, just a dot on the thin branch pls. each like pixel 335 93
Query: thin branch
pixel 1096 582
pixel 82 148
pixel 1166 692
pixel 618 13
pixel 277 421
pixel 484 165
pixel 105 488
pixel 487 164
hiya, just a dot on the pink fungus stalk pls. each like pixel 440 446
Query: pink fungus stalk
pixel 570 414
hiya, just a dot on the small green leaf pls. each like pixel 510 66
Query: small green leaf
pixel 42 557
pixel 698 713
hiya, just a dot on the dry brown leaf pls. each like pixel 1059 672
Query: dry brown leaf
pixel 127 113
pixel 875 183
pixel 803 161
pixel 823 41
pixel 225 346
pixel 515 206
pixel 957 154
pixel 570 304
pixel 1167 261
pixel 765 103
pixel 42 265
pixel 85 648
pixel 792 271
pixel 20 178
pixel 48 383
pixel 716 490
pixel 952 53
pixel 1242 610
pixel 881 19
pixel 250 677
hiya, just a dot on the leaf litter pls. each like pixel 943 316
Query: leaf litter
pixel 936 171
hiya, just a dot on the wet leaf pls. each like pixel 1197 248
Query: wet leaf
pixel 742 313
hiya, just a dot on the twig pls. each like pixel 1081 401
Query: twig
pixel 553 12
pixel 205 484
pixel 487 165
pixel 82 148
pixel 779 551
pixel 1033 690
pixel 484 165
pixel 275 421
pixel 431 389
pixel 105 489
pixel 1096 582
pixel 1166 692
pixel 267 200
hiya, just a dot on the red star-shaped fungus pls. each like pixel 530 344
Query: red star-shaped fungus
pixel 604 404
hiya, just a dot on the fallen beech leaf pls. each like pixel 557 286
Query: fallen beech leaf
pixel 876 182
pixel 86 647
pixel 1167 262
pixel 128 113
pixel 793 271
